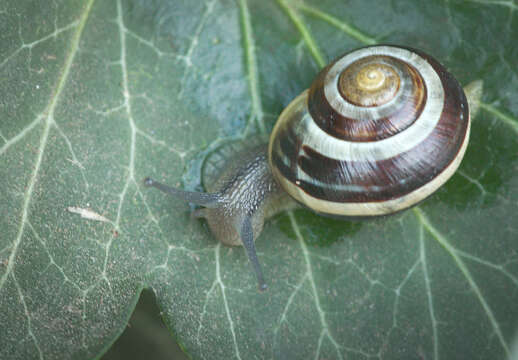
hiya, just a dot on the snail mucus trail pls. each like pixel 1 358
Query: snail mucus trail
pixel 379 130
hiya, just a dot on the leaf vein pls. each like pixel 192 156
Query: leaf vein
pixel 506 119
pixel 498 267
pixel 219 280
pixel 252 70
pixel 30 45
pixel 475 182
pixel 345 27
pixel 426 276
pixel 509 3
pixel 284 315
pixel 306 35
pixel 187 58
pixel 28 315
pixel 75 160
pixel 309 274
pixel 10 142
pixel 463 268
pixel 49 120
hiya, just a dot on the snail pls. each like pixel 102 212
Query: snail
pixel 379 130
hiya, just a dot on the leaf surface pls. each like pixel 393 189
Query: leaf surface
pixel 98 95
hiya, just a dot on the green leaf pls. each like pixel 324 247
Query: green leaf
pixel 97 95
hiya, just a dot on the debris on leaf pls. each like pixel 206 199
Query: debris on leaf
pixel 87 214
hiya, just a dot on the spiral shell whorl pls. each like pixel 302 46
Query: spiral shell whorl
pixel 341 154
pixel 347 106
pixel 369 83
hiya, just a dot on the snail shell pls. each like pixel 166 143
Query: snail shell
pixel 380 129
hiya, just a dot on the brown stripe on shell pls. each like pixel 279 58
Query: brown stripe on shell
pixel 341 127
pixel 290 148
pixel 397 176
pixel 284 169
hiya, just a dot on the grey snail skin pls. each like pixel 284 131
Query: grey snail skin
pixel 380 129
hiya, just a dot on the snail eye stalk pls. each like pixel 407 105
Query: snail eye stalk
pixel 198 198
pixel 247 237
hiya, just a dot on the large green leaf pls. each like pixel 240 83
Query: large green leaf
pixel 97 95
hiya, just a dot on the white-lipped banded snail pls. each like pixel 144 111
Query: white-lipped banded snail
pixel 379 130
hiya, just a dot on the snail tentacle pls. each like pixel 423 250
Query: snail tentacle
pixel 246 233
pixel 210 200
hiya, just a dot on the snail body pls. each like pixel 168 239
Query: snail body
pixel 379 130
